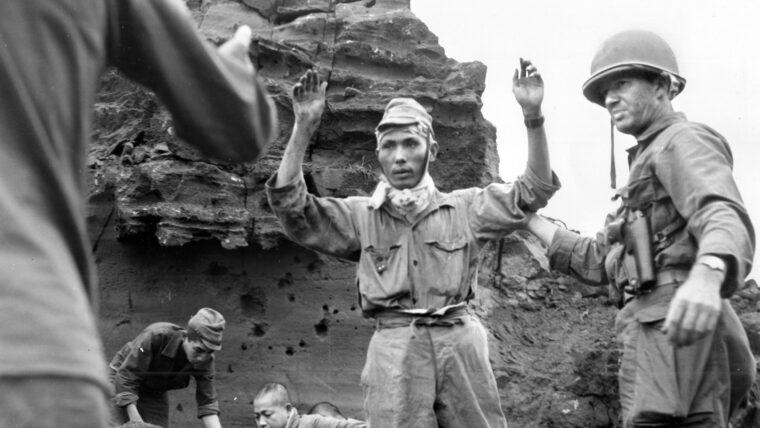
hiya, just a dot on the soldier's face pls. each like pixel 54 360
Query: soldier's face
pixel 270 413
pixel 404 156
pixel 197 352
pixel 632 102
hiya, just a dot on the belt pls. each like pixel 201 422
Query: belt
pixel 447 318
pixel 665 277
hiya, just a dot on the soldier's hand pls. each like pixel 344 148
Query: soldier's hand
pixel 695 308
pixel 309 100
pixel 236 48
pixel 528 88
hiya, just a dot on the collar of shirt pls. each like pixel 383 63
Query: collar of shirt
pixel 293 419
pixel 654 129
pixel 383 190
pixel 172 347
pixel 437 200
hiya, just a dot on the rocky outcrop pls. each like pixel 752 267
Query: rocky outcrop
pixel 367 51
pixel 173 231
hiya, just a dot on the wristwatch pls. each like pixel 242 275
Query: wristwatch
pixel 713 263
pixel 534 122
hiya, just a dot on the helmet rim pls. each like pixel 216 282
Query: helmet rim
pixel 591 86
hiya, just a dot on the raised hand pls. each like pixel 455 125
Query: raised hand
pixel 236 48
pixel 309 100
pixel 528 88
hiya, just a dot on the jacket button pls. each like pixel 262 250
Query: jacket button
pixel 414 262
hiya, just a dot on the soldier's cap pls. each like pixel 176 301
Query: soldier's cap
pixel 209 325
pixel 404 112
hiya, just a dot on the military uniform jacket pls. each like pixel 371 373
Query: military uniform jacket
pixel 680 174
pixel 427 264
pixel 154 362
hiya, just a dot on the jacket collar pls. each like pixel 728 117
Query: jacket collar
pixel 649 134
pixel 174 344
pixel 294 419
pixel 438 200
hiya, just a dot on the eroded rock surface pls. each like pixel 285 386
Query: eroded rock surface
pixel 368 51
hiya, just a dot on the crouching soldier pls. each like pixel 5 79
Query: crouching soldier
pixel 163 357
pixel 417 251
pixel 272 409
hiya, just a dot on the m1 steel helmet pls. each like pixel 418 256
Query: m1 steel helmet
pixel 631 50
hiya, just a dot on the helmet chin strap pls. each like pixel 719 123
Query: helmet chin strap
pixel 613 172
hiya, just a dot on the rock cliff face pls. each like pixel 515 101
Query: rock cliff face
pixel 173 232
pixel 368 51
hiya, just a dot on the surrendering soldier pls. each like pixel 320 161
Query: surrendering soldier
pixel 417 251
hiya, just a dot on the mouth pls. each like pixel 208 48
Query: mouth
pixel 402 173
pixel 617 115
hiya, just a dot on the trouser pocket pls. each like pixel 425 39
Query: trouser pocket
pixel 659 382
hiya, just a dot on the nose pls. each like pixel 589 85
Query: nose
pixel 399 155
pixel 610 98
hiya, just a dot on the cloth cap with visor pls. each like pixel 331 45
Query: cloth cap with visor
pixel 404 112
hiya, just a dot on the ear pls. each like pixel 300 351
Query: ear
pixel 662 83
pixel 433 150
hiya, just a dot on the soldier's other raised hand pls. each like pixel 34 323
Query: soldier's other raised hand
pixel 309 99
pixel 528 88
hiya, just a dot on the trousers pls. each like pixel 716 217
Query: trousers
pixel 431 375
pixel 693 386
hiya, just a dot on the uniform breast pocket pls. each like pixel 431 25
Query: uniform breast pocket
pixel 641 192
pixel 381 256
pixel 446 261
pixel 381 276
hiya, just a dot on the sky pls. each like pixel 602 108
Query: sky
pixel 714 43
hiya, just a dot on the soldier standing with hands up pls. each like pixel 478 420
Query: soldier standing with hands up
pixel 417 251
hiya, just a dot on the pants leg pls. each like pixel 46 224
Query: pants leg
pixel 693 386
pixel 50 402
pixel 399 379
pixel 741 362
pixel 467 391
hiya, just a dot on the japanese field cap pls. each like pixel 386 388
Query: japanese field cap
pixel 404 112
pixel 628 51
pixel 209 324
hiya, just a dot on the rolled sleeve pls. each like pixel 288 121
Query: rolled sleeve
pixel 207 409
pixel 535 192
pixel 500 208
pixel 579 256
pixel 561 250
pixel 288 198
pixel 124 399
